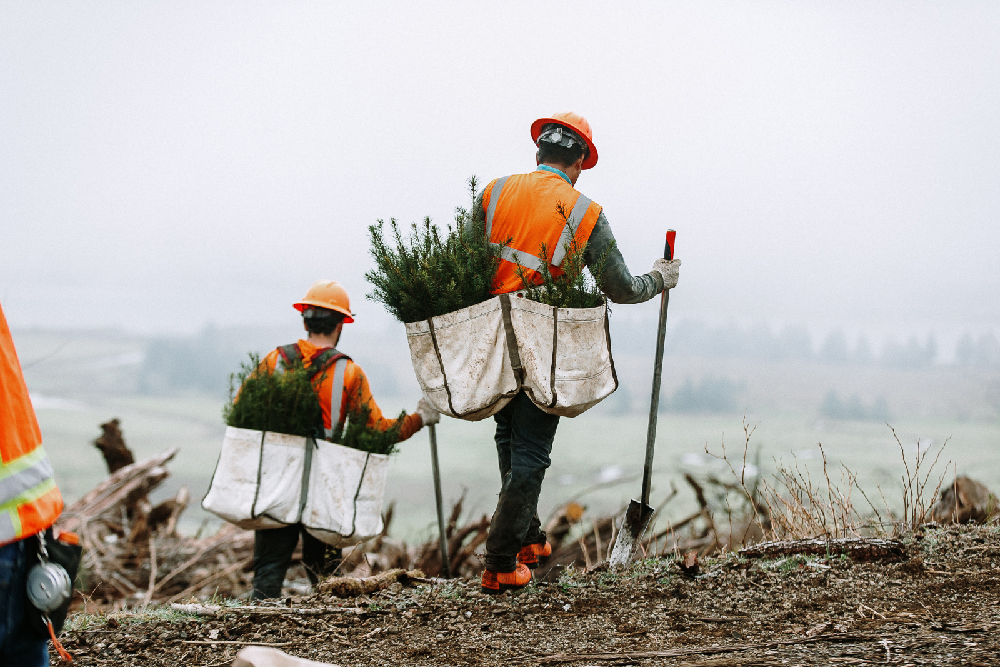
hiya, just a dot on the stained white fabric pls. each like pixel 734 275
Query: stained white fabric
pixel 564 355
pixel 258 483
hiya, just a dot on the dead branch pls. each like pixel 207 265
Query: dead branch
pixel 703 650
pixel 858 548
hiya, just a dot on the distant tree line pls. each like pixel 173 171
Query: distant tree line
pixel 794 343
pixel 200 363
pixel 854 408
pixel 204 362
pixel 982 352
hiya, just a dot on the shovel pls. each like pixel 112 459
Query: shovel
pixel 639 512
pixel 442 539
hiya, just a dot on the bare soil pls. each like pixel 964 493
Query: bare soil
pixel 937 605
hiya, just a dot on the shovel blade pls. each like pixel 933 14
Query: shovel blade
pixel 636 519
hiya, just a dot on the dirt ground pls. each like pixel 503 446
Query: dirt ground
pixel 939 605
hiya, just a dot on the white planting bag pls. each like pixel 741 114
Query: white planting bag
pixel 462 362
pixel 471 362
pixel 565 354
pixel 268 480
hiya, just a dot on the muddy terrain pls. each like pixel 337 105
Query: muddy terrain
pixel 937 604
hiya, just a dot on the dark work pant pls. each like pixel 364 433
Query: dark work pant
pixel 19 645
pixel 272 554
pixel 524 441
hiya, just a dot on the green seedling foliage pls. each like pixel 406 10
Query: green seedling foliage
pixel 279 402
pixel 287 403
pixel 358 435
pixel 573 288
pixel 432 272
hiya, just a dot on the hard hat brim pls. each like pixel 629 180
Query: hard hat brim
pixel 301 306
pixel 536 131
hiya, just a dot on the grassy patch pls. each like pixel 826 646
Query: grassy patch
pixel 151 615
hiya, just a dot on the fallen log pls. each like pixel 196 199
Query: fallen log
pixel 863 549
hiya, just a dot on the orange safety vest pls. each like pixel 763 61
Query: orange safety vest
pixel 30 501
pixel 525 208
pixel 345 381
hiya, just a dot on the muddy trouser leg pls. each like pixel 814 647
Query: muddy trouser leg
pixel 272 554
pixel 524 441
pixel 319 558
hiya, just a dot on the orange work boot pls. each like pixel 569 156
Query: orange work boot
pixel 529 555
pixel 495 583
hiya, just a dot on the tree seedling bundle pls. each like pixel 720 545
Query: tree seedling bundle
pixel 432 272
pixel 287 402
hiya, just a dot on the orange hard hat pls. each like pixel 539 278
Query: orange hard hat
pixel 327 294
pixel 575 122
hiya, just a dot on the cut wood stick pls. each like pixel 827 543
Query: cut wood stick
pixel 700 650
pixel 152 572
pixel 180 568
pixel 597 543
pixel 207 580
pixel 122 580
pixel 216 610
pixel 586 556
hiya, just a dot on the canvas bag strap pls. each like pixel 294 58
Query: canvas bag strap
pixel 512 349
pixel 290 355
pixel 323 359
pixel 306 470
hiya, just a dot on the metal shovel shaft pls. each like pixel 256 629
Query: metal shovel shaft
pixel 654 403
pixel 639 512
pixel 442 536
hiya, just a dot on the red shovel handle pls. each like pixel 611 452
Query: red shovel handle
pixel 668 249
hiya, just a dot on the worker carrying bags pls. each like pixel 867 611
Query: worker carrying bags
pixel 306 442
pixel 470 363
pixel 485 321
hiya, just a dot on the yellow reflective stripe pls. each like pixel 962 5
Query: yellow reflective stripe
pixel 569 230
pixel 520 257
pixel 337 389
pixel 22 462
pixel 10 520
pixel 491 209
pixel 13 485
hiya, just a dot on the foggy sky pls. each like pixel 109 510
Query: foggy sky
pixel 828 163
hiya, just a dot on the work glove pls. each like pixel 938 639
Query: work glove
pixel 668 270
pixel 427 412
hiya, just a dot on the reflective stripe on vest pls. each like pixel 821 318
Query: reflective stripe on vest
pixel 527 259
pixel 337 389
pixel 23 481
pixel 569 231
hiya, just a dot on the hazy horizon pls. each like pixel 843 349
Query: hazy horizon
pixel 826 165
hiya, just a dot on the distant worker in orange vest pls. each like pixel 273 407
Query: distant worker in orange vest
pixel 532 210
pixel 30 503
pixel 342 388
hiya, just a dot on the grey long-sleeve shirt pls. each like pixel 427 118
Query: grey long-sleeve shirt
pixel 616 281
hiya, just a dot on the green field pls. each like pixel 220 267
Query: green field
pixel 588 449
pixel 96 382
